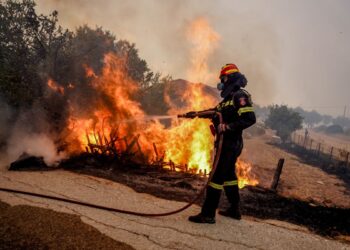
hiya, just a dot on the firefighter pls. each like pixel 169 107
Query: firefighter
pixel 238 114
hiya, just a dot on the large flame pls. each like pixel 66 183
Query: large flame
pixel 117 118
pixel 190 141
pixel 116 112
pixel 204 41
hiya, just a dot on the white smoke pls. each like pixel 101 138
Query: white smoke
pixel 25 133
pixel 40 145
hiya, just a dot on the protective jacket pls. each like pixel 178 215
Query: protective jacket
pixel 237 112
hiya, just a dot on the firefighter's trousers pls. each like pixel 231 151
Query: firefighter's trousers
pixel 224 178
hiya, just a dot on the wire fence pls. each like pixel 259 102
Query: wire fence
pixel 321 150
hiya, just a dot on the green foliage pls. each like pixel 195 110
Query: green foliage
pixel 334 129
pixel 311 118
pixel 34 48
pixel 29 47
pixel 347 132
pixel 284 121
pixel 342 121
pixel 137 67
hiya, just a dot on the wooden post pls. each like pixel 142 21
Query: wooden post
pixel 126 142
pixel 311 144
pixel 155 150
pixel 139 147
pixel 100 138
pixel 278 172
pixel 331 154
pixel 88 140
pixel 172 165
pixel 319 149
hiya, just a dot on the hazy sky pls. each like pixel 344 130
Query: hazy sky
pixel 292 52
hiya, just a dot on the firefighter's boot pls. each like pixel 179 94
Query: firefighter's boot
pixel 232 194
pixel 200 218
pixel 209 207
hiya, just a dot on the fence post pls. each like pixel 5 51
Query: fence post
pixel 331 154
pixel 278 172
pixel 311 144
pixel 318 149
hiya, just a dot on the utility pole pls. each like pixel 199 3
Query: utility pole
pixel 344 111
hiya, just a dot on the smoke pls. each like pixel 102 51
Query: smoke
pixel 40 145
pixel 160 31
pixel 26 132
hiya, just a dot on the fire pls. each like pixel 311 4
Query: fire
pixel 116 118
pixel 190 141
pixel 55 86
pixel 115 113
pixel 245 177
pixel 204 40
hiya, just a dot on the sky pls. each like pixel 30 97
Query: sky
pixel 292 52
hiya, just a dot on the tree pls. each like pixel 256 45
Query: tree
pixel 284 120
pixel 137 68
pixel 30 46
pixel 342 121
pixel 311 118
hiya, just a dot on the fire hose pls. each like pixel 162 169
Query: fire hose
pixel 218 145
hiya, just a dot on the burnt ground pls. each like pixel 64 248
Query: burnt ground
pixel 26 227
pixel 257 202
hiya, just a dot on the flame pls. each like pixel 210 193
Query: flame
pixel 190 141
pixel 117 119
pixel 245 177
pixel 55 86
pixel 115 113
pixel 204 40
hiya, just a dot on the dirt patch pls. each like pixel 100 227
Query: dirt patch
pixel 300 179
pixel 26 227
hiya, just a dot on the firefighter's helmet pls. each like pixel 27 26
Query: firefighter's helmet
pixel 228 69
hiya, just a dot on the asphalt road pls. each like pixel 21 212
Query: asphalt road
pixel 173 232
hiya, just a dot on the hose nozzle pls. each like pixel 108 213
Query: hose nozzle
pixel 191 114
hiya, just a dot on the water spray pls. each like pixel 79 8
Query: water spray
pixel 150 118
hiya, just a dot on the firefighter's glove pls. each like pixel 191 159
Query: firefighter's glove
pixel 222 128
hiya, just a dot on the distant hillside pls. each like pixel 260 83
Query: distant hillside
pixel 153 101
pixel 176 91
